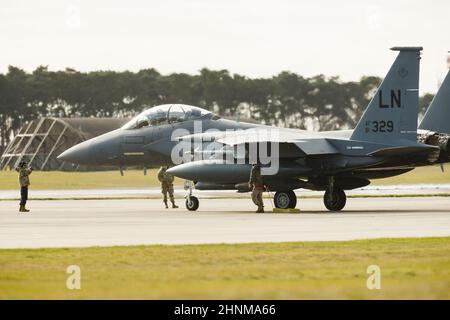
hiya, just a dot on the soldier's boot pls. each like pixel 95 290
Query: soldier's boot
pixel 260 210
pixel 23 209
pixel 174 206
pixel 165 203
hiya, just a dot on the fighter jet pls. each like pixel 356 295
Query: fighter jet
pixel 383 144
pixel 149 138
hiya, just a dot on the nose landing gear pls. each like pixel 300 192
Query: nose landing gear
pixel 192 202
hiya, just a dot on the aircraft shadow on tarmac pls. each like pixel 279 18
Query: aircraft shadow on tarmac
pixel 378 211
pixel 346 212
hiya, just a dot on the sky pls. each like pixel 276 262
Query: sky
pixel 255 38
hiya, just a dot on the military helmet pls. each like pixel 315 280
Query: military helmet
pixel 22 163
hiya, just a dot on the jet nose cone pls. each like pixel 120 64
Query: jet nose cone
pixel 78 154
pixel 183 171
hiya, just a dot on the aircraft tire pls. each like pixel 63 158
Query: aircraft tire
pixel 336 200
pixel 285 199
pixel 192 204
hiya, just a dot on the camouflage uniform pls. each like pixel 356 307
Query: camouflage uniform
pixel 166 180
pixel 24 182
pixel 256 182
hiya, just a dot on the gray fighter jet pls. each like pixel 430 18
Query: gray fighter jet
pixel 383 144
pixel 147 139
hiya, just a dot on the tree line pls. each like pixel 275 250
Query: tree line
pixel 287 99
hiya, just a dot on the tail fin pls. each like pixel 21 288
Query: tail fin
pixel 437 117
pixel 391 116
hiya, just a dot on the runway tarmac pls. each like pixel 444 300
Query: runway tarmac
pixel 81 223
pixel 156 192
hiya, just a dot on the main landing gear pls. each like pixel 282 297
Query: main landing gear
pixel 335 200
pixel 334 197
pixel 285 199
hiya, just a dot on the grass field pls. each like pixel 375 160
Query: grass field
pixel 41 180
pixel 422 175
pixel 410 268
pixel 136 179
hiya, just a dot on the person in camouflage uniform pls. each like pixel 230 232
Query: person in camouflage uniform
pixel 166 180
pixel 24 181
pixel 257 185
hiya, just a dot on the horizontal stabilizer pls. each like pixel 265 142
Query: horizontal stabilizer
pixel 404 151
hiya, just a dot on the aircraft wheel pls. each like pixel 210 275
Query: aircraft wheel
pixel 285 199
pixel 335 201
pixel 192 203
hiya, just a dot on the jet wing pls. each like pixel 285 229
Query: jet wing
pixel 308 143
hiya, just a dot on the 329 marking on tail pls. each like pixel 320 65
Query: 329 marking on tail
pixel 380 126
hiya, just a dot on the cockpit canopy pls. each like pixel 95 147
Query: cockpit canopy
pixel 168 113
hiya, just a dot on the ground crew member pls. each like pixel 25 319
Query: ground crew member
pixel 166 180
pixel 257 185
pixel 24 181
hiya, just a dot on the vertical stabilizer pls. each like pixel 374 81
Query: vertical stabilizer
pixel 437 117
pixel 391 116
